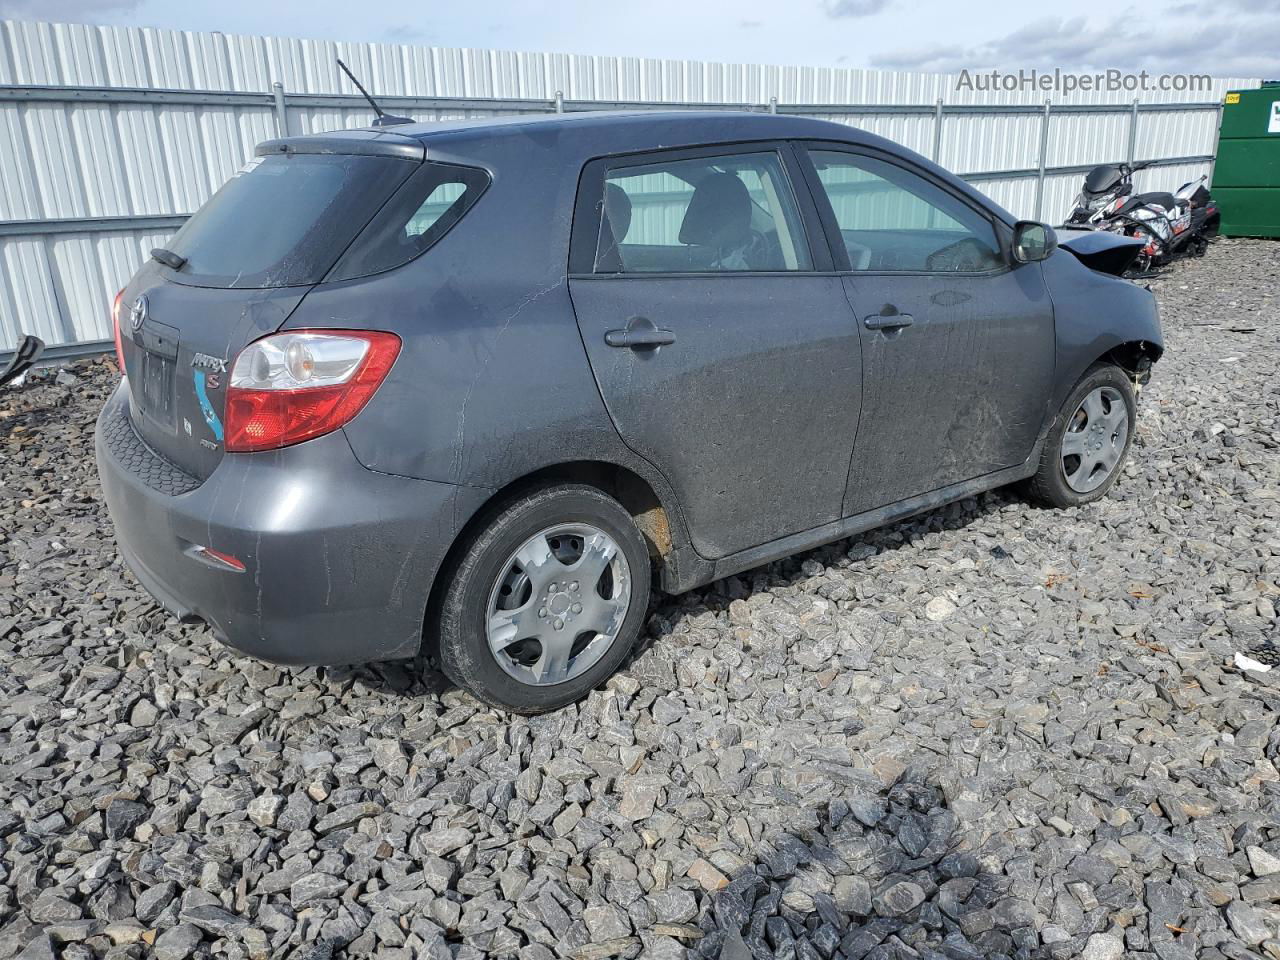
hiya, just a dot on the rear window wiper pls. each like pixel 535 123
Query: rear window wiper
pixel 168 258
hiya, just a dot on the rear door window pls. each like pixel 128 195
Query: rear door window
pixel 284 220
pixel 714 214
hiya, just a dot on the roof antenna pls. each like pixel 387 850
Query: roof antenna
pixel 382 119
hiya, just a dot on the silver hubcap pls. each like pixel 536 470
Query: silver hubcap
pixel 1095 439
pixel 559 604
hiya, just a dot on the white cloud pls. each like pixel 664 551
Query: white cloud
pixel 839 9
pixel 1227 46
pixel 1240 39
pixel 66 11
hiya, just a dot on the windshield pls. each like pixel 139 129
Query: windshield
pixel 1101 178
pixel 284 220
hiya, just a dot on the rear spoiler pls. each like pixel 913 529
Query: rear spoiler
pixel 366 143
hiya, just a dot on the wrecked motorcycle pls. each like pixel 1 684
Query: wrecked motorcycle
pixel 1169 223
pixel 24 358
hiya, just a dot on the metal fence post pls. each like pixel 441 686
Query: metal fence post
pixel 1044 152
pixel 1133 131
pixel 773 104
pixel 1213 161
pixel 937 131
pixel 559 101
pixel 282 114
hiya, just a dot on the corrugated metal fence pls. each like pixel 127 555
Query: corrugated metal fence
pixel 110 136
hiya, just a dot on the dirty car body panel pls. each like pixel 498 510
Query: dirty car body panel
pixel 958 343
pixel 775 418
pixel 336 553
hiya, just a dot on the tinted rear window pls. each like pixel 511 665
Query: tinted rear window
pixel 283 221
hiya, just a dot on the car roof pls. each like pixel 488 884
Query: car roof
pixel 577 137
pixel 732 124
pixel 617 131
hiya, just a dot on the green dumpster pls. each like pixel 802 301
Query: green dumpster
pixel 1246 173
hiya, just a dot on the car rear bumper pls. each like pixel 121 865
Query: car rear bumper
pixel 338 559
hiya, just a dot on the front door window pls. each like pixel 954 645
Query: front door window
pixel 893 220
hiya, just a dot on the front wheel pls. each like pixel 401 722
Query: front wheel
pixel 1142 265
pixel 1089 440
pixel 547 600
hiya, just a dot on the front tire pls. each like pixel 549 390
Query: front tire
pixel 1087 446
pixel 546 601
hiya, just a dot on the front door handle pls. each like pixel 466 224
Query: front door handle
pixel 639 334
pixel 889 321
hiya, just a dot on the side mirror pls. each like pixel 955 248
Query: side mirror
pixel 1033 241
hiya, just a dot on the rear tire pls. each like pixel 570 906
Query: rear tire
pixel 1089 442
pixel 546 601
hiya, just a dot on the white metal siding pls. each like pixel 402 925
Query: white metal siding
pixel 80 160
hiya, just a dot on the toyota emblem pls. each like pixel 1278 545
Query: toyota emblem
pixel 138 314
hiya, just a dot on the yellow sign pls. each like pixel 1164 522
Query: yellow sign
pixel 1233 98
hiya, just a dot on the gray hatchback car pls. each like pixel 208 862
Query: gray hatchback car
pixel 483 385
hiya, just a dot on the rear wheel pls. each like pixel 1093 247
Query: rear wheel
pixel 546 601
pixel 1089 441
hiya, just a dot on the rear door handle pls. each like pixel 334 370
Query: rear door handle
pixel 639 334
pixel 888 321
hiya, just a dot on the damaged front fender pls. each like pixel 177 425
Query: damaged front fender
pixel 1099 315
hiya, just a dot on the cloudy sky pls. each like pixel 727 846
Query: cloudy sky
pixel 1239 38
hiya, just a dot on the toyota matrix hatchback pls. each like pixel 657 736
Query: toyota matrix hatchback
pixel 483 385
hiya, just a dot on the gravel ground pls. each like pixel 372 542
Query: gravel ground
pixel 990 731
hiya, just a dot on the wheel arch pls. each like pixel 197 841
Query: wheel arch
pixel 651 504
pixel 1135 357
pixel 636 494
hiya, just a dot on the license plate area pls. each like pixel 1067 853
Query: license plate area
pixel 159 349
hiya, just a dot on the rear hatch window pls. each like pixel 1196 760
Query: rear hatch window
pixel 282 221
pixel 283 224
pixel 285 220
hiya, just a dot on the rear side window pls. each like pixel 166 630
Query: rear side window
pixel 421 212
pixel 710 214
pixel 284 220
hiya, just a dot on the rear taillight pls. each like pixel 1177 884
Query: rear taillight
pixel 115 326
pixel 294 386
